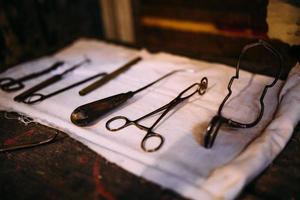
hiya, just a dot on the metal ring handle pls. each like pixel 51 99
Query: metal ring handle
pixel 148 137
pixel 212 131
pixel 10 84
pixel 6 81
pixel 108 124
pixel 34 98
pixel 203 86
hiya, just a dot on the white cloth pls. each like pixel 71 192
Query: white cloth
pixel 182 164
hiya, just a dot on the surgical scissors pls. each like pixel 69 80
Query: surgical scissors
pixel 199 88
pixel 36 97
pixel 51 80
pixel 9 84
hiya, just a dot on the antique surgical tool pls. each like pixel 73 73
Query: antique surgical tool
pixel 9 84
pixel 29 145
pixel 49 81
pixel 218 120
pixel 112 124
pixel 37 97
pixel 89 113
pixel 26 120
pixel 108 77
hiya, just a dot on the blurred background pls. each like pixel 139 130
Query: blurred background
pixel 209 30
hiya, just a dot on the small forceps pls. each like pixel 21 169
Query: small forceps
pixel 150 134
pixel 9 84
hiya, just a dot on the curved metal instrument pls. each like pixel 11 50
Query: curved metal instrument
pixel 216 122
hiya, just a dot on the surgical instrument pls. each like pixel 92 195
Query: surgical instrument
pixel 37 97
pixel 29 145
pixel 49 81
pixel 218 120
pixel 9 84
pixel 109 77
pixel 88 114
pixel 199 88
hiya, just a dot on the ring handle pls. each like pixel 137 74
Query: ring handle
pixel 124 122
pixel 212 131
pixel 6 81
pixel 203 86
pixel 34 98
pixel 10 84
pixel 148 138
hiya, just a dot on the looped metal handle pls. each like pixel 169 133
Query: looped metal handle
pixel 34 98
pixel 152 136
pixel 6 81
pixel 10 84
pixel 124 122
pixel 203 86
pixel 212 131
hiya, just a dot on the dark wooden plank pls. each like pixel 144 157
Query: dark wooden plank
pixel 230 5
pixel 209 47
pixel 255 20
pixel 64 169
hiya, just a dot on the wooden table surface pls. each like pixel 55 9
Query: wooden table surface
pixel 66 169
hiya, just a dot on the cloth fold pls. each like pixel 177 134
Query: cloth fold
pixel 182 164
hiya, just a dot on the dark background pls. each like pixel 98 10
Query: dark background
pixel 31 28
pixel 66 169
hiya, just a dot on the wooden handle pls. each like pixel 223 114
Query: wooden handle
pixel 89 114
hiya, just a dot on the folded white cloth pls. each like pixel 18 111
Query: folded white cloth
pixel 182 164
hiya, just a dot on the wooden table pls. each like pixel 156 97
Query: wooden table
pixel 66 169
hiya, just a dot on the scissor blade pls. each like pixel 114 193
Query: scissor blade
pixel 108 77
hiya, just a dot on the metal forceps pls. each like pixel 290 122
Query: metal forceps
pixel 9 84
pixel 216 122
pixel 199 88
